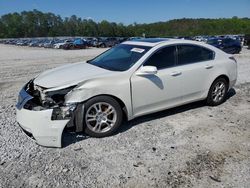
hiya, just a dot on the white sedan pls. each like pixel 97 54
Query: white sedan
pixel 130 80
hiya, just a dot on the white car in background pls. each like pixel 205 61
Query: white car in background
pixel 60 44
pixel 130 80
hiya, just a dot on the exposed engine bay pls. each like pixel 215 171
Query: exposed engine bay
pixel 42 100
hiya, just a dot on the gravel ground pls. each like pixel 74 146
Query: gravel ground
pixel 189 146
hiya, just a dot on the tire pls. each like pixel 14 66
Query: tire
pixel 217 92
pixel 102 121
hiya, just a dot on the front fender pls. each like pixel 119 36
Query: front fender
pixel 120 90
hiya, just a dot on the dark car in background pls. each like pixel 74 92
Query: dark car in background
pixel 91 41
pixel 228 45
pixel 76 44
pixel 247 40
pixel 50 43
pixel 214 42
pixel 80 44
pixel 22 42
pixel 231 46
pixel 34 43
pixel 106 42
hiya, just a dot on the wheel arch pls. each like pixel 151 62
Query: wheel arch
pixel 210 83
pixel 209 100
pixel 222 76
pixel 219 76
pixel 77 119
pixel 121 103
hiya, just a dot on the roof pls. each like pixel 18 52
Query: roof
pixel 147 41
pixel 152 42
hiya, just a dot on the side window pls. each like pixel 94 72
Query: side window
pixel 163 58
pixel 191 54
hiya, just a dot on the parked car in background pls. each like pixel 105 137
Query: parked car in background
pixel 91 41
pixel 106 42
pixel 61 43
pixel 231 46
pixel 76 44
pixel 80 44
pixel 134 38
pixel 42 42
pixel 67 45
pixel 122 39
pixel 214 42
pixel 132 79
pixel 198 38
pixel 34 43
pixel 247 40
pixel 22 42
pixel 50 43
pixel 228 45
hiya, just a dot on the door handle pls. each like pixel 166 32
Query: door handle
pixel 209 66
pixel 175 73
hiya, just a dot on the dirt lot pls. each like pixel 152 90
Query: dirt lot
pixel 189 146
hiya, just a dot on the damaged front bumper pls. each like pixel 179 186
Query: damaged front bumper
pixel 45 125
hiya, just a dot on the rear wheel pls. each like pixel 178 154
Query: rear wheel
pixel 217 92
pixel 103 116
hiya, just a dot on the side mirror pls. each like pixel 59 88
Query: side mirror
pixel 147 70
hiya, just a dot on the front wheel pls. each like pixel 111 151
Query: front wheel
pixel 103 116
pixel 217 92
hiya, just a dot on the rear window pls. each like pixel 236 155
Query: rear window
pixel 191 54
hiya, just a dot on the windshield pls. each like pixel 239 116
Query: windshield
pixel 120 58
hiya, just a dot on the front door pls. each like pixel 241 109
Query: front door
pixel 151 93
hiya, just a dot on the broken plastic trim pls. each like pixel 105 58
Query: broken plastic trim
pixel 79 113
pixel 63 112
pixel 30 135
pixel 23 98
pixel 59 111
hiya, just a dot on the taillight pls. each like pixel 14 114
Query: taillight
pixel 232 58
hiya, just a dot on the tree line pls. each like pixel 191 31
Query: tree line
pixel 38 24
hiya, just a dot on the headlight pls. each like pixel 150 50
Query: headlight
pixel 53 98
pixel 63 112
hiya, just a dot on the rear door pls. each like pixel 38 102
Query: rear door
pixel 196 64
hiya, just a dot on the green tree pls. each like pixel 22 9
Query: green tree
pixel 38 24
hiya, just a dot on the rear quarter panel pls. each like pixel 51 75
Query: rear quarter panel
pixel 222 66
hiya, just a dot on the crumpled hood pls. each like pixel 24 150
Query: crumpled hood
pixel 70 74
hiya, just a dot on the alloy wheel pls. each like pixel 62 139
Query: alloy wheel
pixel 100 117
pixel 218 92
